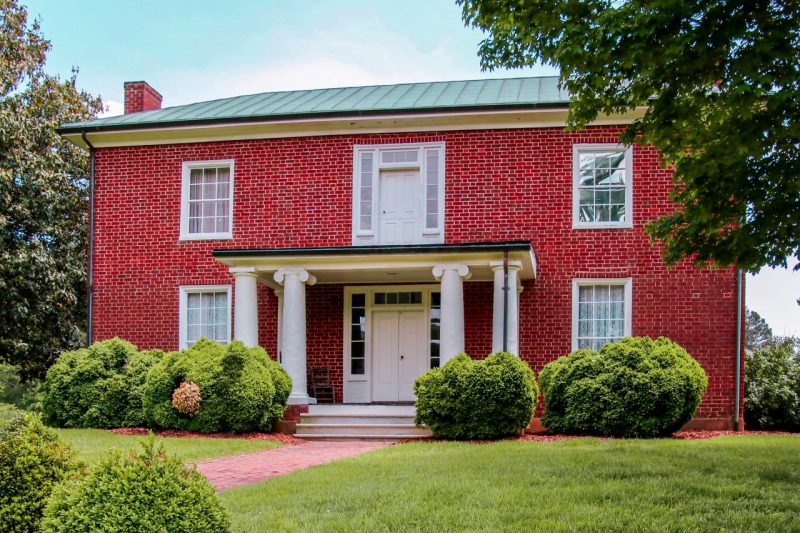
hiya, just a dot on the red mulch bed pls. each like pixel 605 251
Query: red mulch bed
pixel 684 435
pixel 278 437
pixel 694 435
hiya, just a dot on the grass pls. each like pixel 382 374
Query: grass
pixel 92 443
pixel 743 483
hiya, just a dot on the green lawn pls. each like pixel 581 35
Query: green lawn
pixel 743 483
pixel 92 443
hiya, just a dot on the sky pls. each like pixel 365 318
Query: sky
pixel 202 50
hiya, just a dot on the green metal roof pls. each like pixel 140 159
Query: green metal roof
pixel 375 99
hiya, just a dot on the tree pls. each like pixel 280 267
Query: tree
pixel 43 201
pixel 721 84
pixel 757 331
pixel 772 385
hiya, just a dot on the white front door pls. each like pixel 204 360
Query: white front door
pixel 399 351
pixel 400 207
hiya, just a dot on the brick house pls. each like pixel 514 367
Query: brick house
pixel 376 232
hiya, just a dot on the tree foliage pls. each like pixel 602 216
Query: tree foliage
pixel 43 200
pixel 757 331
pixel 772 385
pixel 722 84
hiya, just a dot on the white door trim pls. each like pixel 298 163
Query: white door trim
pixel 358 388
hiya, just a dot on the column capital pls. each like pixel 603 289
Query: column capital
pixel 302 275
pixel 243 271
pixel 460 269
pixel 513 266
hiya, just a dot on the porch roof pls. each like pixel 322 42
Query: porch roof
pixel 382 264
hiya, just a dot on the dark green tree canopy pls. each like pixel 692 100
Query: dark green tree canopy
pixel 721 82
pixel 43 201
pixel 757 331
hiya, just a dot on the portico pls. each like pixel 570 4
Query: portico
pixel 403 307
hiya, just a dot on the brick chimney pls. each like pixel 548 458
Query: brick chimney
pixel 139 96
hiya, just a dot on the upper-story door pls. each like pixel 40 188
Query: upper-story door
pixel 400 206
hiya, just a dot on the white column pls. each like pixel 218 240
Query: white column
pixel 293 329
pixel 279 296
pixel 452 278
pixel 498 308
pixel 245 310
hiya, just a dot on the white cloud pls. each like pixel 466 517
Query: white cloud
pixel 329 57
pixel 113 108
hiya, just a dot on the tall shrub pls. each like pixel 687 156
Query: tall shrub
pixel 98 386
pixel 468 399
pixel 772 386
pixel 636 387
pixel 241 388
pixel 32 461
pixel 146 491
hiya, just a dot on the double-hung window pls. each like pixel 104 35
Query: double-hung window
pixel 602 186
pixel 207 200
pixel 205 311
pixel 601 311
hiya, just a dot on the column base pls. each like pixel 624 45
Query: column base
pixel 299 398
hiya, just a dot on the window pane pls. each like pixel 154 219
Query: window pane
pixel 358 300
pixel 436 299
pixel 357 366
pixel 196 192
pixel 357 333
pixel 357 350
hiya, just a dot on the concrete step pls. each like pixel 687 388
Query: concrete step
pixel 363 429
pixel 355 419
pixel 361 410
pixel 357 437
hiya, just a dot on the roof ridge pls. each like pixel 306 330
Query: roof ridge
pixel 342 87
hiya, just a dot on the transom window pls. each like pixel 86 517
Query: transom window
pixel 394 298
pixel 204 312
pixel 207 200
pixel 398 194
pixel 602 190
pixel 601 312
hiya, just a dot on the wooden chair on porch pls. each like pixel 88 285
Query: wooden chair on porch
pixel 321 386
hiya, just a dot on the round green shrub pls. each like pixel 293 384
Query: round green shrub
pixel 146 491
pixel 635 387
pixel 32 461
pixel 237 385
pixel 772 386
pixel 468 399
pixel 97 387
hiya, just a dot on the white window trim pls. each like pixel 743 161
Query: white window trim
pixel 183 293
pixel 576 175
pixel 627 283
pixel 186 168
pixel 430 235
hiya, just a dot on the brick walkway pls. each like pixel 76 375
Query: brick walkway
pixel 227 472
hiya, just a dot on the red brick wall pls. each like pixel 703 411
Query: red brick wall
pixel 500 185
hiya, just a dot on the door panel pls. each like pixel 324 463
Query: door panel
pixel 385 354
pixel 400 205
pixel 413 352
